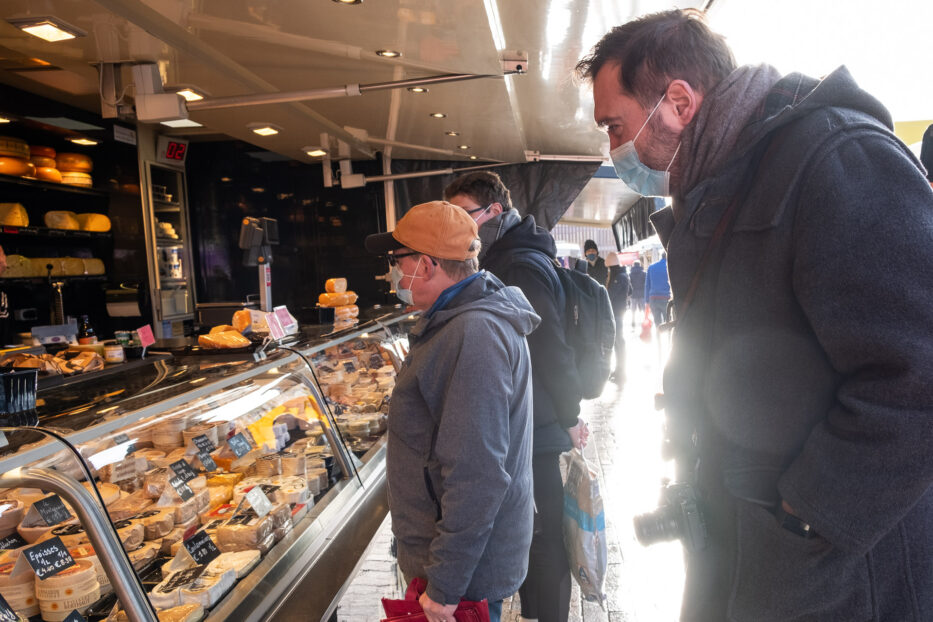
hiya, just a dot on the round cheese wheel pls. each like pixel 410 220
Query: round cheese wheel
pixel 93 266
pixel 48 173
pixel 11 513
pixel 38 151
pixel 17 167
pixel 32 170
pixel 13 148
pixel 40 161
pixel 72 534
pixel 335 286
pixel 74 163
pixel 109 492
pixel 13 215
pixel 62 592
pixel 73 178
pixel 94 222
pixel 81 572
pixel 58 219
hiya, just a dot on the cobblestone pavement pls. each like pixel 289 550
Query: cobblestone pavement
pixel 642 584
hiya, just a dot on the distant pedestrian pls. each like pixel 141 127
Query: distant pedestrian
pixel 620 290
pixel 637 278
pixel 658 290
pixel 595 265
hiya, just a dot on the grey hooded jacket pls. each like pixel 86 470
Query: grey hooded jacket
pixel 459 445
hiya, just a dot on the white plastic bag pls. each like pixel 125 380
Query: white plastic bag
pixel 585 528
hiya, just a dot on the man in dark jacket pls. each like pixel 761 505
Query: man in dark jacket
pixel 637 277
pixel 620 289
pixel 522 254
pixel 595 265
pixel 798 390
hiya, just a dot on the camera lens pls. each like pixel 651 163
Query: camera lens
pixel 658 526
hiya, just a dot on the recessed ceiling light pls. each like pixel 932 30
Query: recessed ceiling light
pixel 314 152
pixel 226 179
pixel 418 89
pixel 463 146
pixel 438 115
pixel 388 53
pixel 47 27
pixel 472 157
pixel 4 120
pixel 452 133
pixel 349 1
pixel 87 142
pixel 190 94
pixel 181 123
pixel 264 129
pixel 258 189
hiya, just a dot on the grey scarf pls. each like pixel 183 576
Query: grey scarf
pixel 495 228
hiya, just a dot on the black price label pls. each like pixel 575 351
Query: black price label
pixel 204 444
pixel 349 367
pixel 375 360
pixel 239 445
pixel 52 510
pixel 12 541
pixel 202 549
pixel 6 612
pixel 183 470
pixel 74 616
pixel 207 461
pixel 184 491
pixel 49 557
pixel 182 578
pixel 120 439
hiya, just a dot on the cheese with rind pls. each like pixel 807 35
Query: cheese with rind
pixel 94 222
pixel 13 215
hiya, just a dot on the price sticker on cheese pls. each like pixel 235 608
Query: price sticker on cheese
pixel 259 501
pixel 203 443
pixel 276 330
pixel 183 470
pixel 52 510
pixel 6 612
pixel 239 445
pixel 49 557
pixel 207 461
pixel 146 338
pixel 183 489
pixel 201 548
pixel 74 616
pixel 12 541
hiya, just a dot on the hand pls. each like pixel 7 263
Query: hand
pixel 579 434
pixel 786 507
pixel 436 612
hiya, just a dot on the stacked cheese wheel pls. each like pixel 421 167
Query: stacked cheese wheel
pixel 14 157
pixel 24 267
pixel 73 588
pixel 70 221
pixel 75 169
pixel 43 159
pixel 337 296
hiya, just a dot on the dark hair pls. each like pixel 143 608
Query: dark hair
pixel 657 48
pixel 590 244
pixel 484 187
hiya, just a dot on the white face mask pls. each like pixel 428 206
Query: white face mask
pixel 638 176
pixel 480 210
pixel 396 275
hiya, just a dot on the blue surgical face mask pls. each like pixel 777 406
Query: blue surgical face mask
pixel 636 175
pixel 396 275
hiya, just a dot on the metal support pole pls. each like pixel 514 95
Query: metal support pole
pixel 118 568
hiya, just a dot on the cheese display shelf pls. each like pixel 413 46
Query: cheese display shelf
pixel 48 186
pixel 180 449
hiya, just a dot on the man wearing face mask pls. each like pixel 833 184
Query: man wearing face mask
pixel 521 253
pixel 797 392
pixel 595 265
pixel 458 460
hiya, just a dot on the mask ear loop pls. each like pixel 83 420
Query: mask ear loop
pixel 671 163
pixel 645 124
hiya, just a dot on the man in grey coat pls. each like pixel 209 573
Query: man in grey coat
pixel 798 391
pixel 459 440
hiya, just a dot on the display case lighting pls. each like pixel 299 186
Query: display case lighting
pixel 472 157
pixel 5 120
pixel 47 27
pixel 417 89
pixel 264 129
pixel 181 123
pixel 226 179
pixel 85 142
pixel 190 94
pixel 437 115
pixel 463 147
pixel 452 133
pixel 388 53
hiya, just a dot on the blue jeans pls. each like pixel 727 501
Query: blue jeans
pixel 495 611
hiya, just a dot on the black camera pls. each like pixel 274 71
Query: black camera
pixel 678 517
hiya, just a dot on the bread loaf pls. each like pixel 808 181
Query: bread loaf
pixel 221 341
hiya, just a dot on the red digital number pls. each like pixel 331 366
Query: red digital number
pixel 175 151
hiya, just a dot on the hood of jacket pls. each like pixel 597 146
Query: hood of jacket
pixel 526 235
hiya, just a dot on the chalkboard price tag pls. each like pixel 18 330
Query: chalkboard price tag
pixel 74 616
pixel 202 549
pixel 349 367
pixel 181 487
pixel 207 461
pixel 121 439
pixel 204 444
pixel 12 541
pixel 259 501
pixel 183 470
pixel 6 612
pixel 49 557
pixel 239 445
pixel 52 510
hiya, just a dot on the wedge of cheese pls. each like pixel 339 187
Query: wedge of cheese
pixel 223 341
pixel 157 523
pixel 60 219
pixel 93 222
pixel 13 215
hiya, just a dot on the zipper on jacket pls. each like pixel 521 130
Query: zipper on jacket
pixel 430 487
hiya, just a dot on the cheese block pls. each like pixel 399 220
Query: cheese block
pixel 191 612
pixel 17 167
pixel 42 152
pixel 60 219
pixel 109 492
pixel 151 455
pixel 209 588
pixel 77 179
pixel 13 148
pixel 221 512
pixel 299 511
pixel 19 591
pixel 72 534
pixel 224 479
pixel 346 312
pixel 130 505
pixel 244 531
pixel 241 562
pixel 184 511
pixel 335 286
pixel 128 468
pixel 157 523
pixel 219 495
pixel 156 480
pixel 18 267
pixel 226 340
pixel 93 222
pixel 281 516
pixel 13 215
pixel 87 552
pixel 43 162
pixel 242 320
pixel 175 535
pixel 168 592
pixel 93 266
pixel 131 532
pixel 293 464
pixel 48 173
pixel 145 554
pixel 74 162
pixel 291 489
pixel 317 481
pixel 11 514
pixel 222 329
pixel 269 466
pixel 82 579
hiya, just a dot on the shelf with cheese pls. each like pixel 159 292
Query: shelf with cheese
pixel 51 186
pixel 280 407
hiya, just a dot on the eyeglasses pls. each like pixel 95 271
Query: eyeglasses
pixel 393 258
pixel 477 209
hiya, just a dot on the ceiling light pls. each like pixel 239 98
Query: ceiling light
pixel 4 120
pixel 349 1
pixel 87 142
pixel 438 115
pixel 417 89
pixel 463 146
pixel 264 129
pixel 226 179
pixel 388 53
pixel 47 27
pixel 181 123
pixel 258 189
pixel 452 133
pixel 472 157
pixel 314 152
pixel 190 94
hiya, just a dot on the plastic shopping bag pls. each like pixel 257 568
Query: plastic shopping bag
pixel 585 528
pixel 409 609
pixel 646 326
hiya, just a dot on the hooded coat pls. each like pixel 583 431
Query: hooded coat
pixel 638 277
pixel 803 379
pixel 459 445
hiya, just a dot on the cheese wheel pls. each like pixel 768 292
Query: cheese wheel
pixel 48 173
pixel 157 523
pixel 38 151
pixel 58 610
pixel 242 320
pixel 87 552
pixel 43 162
pixel 59 219
pixel 109 492
pixel 145 554
pixel 329 299
pixel 13 148
pixel 31 174
pixel 72 534
pixel 13 215
pixel 18 266
pixel 335 286
pixel 71 590
pixel 346 312
pixel 81 572
pixel 17 167
pixel 73 178
pixel 131 533
pixel 243 532
pixel 93 266
pixel 167 435
pixel 209 588
pixel 74 163
pixel 93 222
pixel 241 562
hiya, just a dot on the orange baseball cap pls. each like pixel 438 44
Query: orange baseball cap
pixel 437 229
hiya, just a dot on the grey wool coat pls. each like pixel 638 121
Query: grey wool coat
pixel 805 369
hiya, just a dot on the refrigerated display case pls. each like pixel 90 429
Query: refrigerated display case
pixel 183 441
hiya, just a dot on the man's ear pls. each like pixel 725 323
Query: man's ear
pixel 495 209
pixel 686 103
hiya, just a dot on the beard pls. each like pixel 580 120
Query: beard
pixel 659 150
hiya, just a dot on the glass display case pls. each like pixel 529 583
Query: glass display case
pixel 271 473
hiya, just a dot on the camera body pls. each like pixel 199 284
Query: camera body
pixel 678 517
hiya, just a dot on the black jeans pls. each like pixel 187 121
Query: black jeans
pixel 545 594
